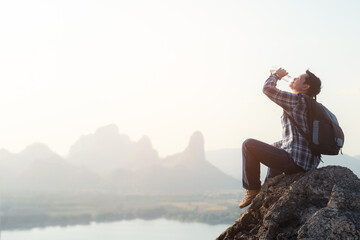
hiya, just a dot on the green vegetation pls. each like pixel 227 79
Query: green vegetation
pixel 29 210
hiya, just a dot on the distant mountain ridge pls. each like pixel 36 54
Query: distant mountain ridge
pixel 185 172
pixel 15 163
pixel 108 160
pixel 103 150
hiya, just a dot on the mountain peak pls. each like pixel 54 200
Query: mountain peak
pixel 195 149
pixel 196 140
pixel 101 150
pixel 38 150
pixel 145 142
pixel 110 133
pixel 4 152
pixel 108 129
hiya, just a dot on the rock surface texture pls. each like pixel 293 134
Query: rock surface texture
pixel 319 204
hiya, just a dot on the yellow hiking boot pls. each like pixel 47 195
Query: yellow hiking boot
pixel 249 196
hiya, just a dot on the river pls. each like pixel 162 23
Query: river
pixel 160 229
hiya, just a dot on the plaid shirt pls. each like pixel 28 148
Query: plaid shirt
pixel 292 140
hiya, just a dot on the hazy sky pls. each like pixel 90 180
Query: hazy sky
pixel 168 68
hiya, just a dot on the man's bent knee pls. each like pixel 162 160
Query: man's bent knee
pixel 248 142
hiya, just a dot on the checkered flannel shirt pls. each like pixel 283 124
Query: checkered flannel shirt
pixel 292 140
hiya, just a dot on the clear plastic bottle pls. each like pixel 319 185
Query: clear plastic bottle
pixel 286 78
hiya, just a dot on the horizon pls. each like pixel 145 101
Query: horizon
pixel 168 69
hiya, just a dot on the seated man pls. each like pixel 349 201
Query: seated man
pixel 292 154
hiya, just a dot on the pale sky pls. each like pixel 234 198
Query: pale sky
pixel 166 69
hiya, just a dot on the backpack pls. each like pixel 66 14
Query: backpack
pixel 326 136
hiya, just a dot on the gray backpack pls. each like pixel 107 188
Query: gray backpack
pixel 326 136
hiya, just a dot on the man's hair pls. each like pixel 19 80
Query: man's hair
pixel 314 82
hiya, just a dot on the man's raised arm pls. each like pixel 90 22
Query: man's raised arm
pixel 286 100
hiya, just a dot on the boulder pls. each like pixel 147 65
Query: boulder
pixel 319 204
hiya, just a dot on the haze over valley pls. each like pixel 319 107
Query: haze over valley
pixel 108 177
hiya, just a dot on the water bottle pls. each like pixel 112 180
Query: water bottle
pixel 286 78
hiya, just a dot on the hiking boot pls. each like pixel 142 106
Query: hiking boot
pixel 249 196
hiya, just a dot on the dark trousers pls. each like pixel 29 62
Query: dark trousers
pixel 277 160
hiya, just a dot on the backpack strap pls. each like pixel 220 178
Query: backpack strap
pixel 297 126
pixel 306 136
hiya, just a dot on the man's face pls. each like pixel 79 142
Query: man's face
pixel 298 85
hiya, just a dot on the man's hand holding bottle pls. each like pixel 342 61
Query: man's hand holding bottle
pixel 280 73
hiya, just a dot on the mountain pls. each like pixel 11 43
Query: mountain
pixel 109 160
pixel 135 167
pixel 13 164
pixel 16 163
pixel 36 151
pixel 37 167
pixel 142 155
pixel 107 149
pixel 185 172
pixel 8 165
pixel 56 174
pixel 4 155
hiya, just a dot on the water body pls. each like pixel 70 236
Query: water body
pixel 160 229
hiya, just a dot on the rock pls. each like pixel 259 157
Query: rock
pixel 319 204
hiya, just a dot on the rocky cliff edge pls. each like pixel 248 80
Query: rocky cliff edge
pixel 319 204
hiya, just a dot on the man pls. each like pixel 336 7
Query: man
pixel 292 154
